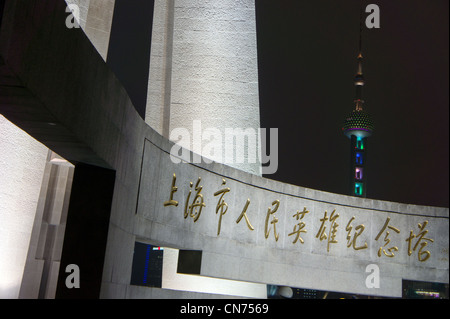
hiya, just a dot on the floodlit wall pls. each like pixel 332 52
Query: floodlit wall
pixel 22 162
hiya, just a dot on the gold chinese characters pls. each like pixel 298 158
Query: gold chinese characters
pixel 328 224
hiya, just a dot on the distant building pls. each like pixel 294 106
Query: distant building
pixel 358 127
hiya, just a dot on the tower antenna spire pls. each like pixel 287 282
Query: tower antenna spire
pixel 360 25
pixel 359 78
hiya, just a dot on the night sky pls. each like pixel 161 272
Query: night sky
pixel 307 60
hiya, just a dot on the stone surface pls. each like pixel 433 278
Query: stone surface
pixel 47 237
pixel 21 173
pixel 242 254
pixel 203 66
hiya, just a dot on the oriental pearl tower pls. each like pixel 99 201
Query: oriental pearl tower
pixel 358 127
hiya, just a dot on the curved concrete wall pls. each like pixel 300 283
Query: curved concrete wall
pixel 98 125
pixel 265 249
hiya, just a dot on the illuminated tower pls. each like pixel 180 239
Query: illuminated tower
pixel 358 127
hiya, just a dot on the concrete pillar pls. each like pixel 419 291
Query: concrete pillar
pixel 95 20
pixel 203 67
pixel 44 255
pixel 98 24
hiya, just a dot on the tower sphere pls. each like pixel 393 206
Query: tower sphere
pixel 358 123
